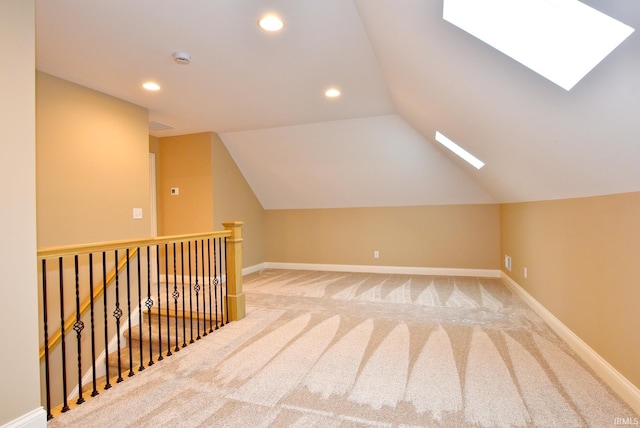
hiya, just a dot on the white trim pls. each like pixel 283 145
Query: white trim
pixel 153 213
pixel 620 384
pixel 37 418
pixel 254 268
pixel 407 270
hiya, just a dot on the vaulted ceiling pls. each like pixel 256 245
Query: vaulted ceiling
pixel 404 73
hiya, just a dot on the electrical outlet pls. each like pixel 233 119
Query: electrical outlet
pixel 507 262
pixel 137 213
pixel 376 254
pixel 175 191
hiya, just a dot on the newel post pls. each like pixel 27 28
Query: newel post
pixel 235 295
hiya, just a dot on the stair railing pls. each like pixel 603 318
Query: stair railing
pixel 171 290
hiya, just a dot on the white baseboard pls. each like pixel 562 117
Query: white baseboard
pixel 37 418
pixel 616 381
pixel 254 268
pixel 407 270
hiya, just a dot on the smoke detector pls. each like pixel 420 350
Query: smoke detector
pixel 182 58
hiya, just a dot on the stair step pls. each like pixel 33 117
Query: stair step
pixel 160 335
pixel 159 329
pixel 135 355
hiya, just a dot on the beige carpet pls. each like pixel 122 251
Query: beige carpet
pixel 333 349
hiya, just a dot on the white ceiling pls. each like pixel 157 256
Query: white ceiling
pixel 404 73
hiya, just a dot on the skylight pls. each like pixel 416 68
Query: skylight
pixel 562 40
pixel 477 163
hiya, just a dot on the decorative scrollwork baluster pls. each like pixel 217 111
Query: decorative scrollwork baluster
pixel 175 296
pixel 215 280
pixel 117 313
pixel 166 286
pixel 196 288
pixel 78 326
pixel 149 304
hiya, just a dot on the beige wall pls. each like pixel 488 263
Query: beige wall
pixel 92 165
pixel 185 163
pixel 233 200
pixel 19 388
pixel 449 236
pixel 212 190
pixel 583 261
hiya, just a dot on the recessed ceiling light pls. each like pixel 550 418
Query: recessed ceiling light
pixel 151 86
pixel 271 23
pixel 477 163
pixel 332 92
pixel 562 40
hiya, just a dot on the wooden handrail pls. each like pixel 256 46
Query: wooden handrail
pixel 72 250
pixel 56 337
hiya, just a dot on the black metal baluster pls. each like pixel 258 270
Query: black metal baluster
pixel 65 405
pixel 197 290
pixel 166 286
pixel 106 328
pixel 45 318
pixel 149 304
pixel 219 278
pixel 215 278
pixel 131 372
pixel 175 296
pixel 190 301
pixel 226 279
pixel 93 337
pixel 160 357
pixel 210 283
pixel 184 321
pixel 140 311
pixel 117 313
pixel 204 294
pixel 78 326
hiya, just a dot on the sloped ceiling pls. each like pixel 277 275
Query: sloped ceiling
pixel 373 161
pixel 404 73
